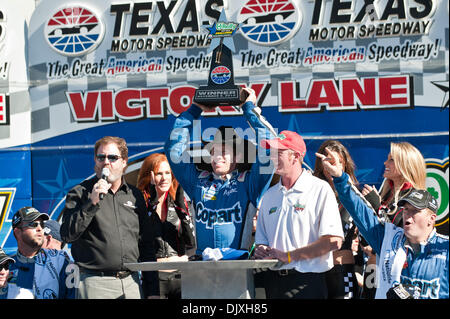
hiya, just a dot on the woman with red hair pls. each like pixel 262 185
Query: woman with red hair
pixel 169 218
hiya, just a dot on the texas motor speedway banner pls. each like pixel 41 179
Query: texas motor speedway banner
pixel 364 73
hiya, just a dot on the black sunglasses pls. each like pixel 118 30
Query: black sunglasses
pixel 111 158
pixel 34 224
pixel 4 266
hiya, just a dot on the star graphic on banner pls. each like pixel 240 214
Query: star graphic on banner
pixel 295 127
pixel 443 85
pixel 10 182
pixel 59 186
pixel 364 173
pixel 212 29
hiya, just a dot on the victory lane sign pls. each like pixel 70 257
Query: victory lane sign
pixel 221 89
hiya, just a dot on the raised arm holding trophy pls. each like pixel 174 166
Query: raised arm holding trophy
pixel 224 195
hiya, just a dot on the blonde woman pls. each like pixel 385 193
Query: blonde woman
pixel 405 169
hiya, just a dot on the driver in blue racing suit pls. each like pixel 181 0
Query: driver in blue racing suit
pixel 225 198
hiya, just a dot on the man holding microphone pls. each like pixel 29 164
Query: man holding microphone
pixel 105 220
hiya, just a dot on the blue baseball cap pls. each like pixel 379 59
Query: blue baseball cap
pixel 52 228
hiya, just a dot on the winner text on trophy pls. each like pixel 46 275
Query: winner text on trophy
pixel 221 89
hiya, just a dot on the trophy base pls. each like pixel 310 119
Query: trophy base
pixel 219 97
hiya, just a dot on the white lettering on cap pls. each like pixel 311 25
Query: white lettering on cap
pixel 433 203
pixel 417 195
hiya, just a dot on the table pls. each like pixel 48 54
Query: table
pixel 222 279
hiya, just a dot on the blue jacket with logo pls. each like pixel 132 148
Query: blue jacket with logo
pixel 428 269
pixel 224 209
pixel 22 274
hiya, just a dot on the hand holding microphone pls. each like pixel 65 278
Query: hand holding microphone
pixel 105 174
pixel 101 187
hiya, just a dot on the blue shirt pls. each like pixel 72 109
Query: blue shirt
pixel 4 292
pixel 221 206
pixel 22 274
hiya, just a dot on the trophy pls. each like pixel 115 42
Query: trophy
pixel 221 89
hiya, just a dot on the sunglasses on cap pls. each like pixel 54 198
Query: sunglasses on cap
pixel 111 158
pixel 33 225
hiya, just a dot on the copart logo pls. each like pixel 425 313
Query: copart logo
pixel 209 217
pixel 74 31
pixel 269 22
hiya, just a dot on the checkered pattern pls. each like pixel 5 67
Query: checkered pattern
pixel 348 285
pixel 348 225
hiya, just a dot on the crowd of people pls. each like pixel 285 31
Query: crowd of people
pixel 334 238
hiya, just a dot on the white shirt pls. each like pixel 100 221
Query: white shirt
pixel 15 292
pixel 294 218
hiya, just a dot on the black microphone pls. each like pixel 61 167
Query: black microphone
pixel 105 174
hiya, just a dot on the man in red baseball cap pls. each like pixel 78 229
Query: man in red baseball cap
pixel 287 140
pixel 291 144
pixel 298 224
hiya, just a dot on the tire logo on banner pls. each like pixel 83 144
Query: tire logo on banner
pixel 269 22
pixel 74 31
pixel 220 74
pixel 438 185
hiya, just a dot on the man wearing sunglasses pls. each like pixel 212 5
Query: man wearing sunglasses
pixel 5 261
pixel 105 220
pixel 43 272
pixel 10 291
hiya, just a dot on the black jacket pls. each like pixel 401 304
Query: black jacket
pixel 111 233
pixel 176 234
pixel 387 207
pixel 173 236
